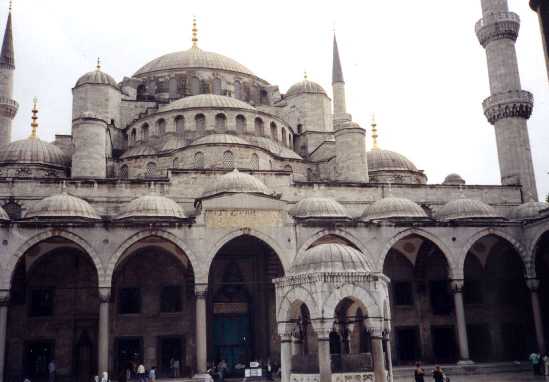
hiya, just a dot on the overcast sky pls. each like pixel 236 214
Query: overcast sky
pixel 416 64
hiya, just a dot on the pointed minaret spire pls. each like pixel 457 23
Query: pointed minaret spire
pixel 8 106
pixel 338 84
pixel 337 71
pixel 7 56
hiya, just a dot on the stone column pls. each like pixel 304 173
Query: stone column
pixel 457 289
pixel 285 357
pixel 388 354
pixel 297 344
pixel 103 332
pixel 201 291
pixel 4 299
pixel 533 285
pixel 376 336
pixel 323 329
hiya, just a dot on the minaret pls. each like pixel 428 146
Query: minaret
pixel 509 107
pixel 8 106
pixel 350 138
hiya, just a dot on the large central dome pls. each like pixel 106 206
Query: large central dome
pixel 193 58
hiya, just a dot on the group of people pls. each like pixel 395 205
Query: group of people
pixel 139 373
pixel 540 364
pixel 437 374
pixel 219 372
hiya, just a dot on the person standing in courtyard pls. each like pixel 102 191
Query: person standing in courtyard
pixel 51 371
pixel 546 364
pixel 535 360
pixel 141 373
pixel 419 373
pixel 438 374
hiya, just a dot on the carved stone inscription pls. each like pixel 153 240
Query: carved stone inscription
pixel 236 218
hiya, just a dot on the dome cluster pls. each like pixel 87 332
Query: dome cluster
pixel 392 208
pixel 33 151
pixel 304 87
pixel 96 77
pixel 319 208
pixel 236 182
pixel 461 209
pixel 529 210
pixel 152 206
pixel 330 257
pixel 63 206
pixel 202 101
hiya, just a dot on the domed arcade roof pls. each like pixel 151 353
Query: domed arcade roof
pixel 380 160
pixel 208 101
pixel 453 179
pixel 152 206
pixel 529 210
pixel 236 182
pixel 96 77
pixel 62 206
pixel 193 58
pixel 305 86
pixel 33 151
pixel 466 209
pixel 391 207
pixel 320 208
pixel 330 257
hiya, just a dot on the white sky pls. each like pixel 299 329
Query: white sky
pixel 416 64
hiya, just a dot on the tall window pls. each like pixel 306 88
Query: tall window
pixel 237 90
pixel 41 303
pixel 199 160
pixel 259 128
pixel 133 137
pixel 284 142
pixel 175 163
pixel 124 172
pixel 216 86
pixel 200 121
pixel 150 170
pixel 220 122
pixel 310 174
pixel 170 299
pixel 288 168
pixel 179 124
pixel 195 86
pixel 300 129
pixel 129 301
pixel 172 88
pixel 145 132
pixel 161 127
pixel 228 159
pixel 240 124
pixel 274 131
pixel 254 162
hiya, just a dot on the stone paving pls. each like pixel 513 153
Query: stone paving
pixel 504 377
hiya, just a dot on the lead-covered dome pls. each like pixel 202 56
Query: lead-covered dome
pixel 62 206
pixel 380 160
pixel 152 206
pixel 393 208
pixel 213 101
pixel 226 139
pixel 330 257
pixel 303 87
pixel 193 58
pixel 3 215
pixel 33 151
pixel 461 209
pixel 319 208
pixel 454 180
pixel 236 182
pixel 529 210
pixel 96 77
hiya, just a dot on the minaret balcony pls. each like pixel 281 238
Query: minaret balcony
pixel 511 104
pixel 8 107
pixel 497 26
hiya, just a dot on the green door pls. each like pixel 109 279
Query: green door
pixel 231 339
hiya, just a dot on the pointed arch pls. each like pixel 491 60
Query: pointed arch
pixel 294 298
pixel 365 297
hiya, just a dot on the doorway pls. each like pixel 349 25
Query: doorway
pixel 444 343
pixel 84 358
pixel 407 345
pixel 129 353
pixel 480 342
pixel 171 348
pixel 37 356
pixel 232 339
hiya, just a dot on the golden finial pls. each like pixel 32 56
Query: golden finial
pixel 195 33
pixel 374 132
pixel 34 117
pixel 98 66
pixel 305 75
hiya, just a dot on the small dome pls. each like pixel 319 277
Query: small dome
pixel 380 160
pixel 138 151
pixel 466 209
pixel 33 151
pixel 208 101
pixel 317 207
pixel 305 86
pixel 3 215
pixel 391 207
pixel 529 210
pixel 62 206
pixel 220 139
pixel 236 182
pixel 193 58
pixel 330 258
pixel 454 180
pixel 152 206
pixel 96 77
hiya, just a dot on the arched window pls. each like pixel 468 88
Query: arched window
pixel 263 97
pixel 145 132
pixel 204 87
pixel 179 124
pixel 200 121
pixel 220 122
pixel 274 131
pixel 216 86
pixel 290 140
pixel 237 90
pixel 300 129
pixel 172 88
pixel 284 142
pixel 288 168
pixel 133 137
pixel 254 162
pixel 199 160
pixel 161 127
pixel 175 163
pixel 270 165
pixel 195 86
pixel 228 159
pixel 259 128
pixel 141 92
pixel 124 172
pixel 150 171
pixel 240 124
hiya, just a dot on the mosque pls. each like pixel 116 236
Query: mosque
pixel 199 213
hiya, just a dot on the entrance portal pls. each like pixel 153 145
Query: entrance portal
pixel 129 353
pixel 37 356
pixel 171 349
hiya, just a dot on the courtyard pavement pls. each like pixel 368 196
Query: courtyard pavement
pixel 504 377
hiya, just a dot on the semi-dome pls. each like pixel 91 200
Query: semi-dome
pixel 330 257
pixel 152 206
pixel 33 151
pixel 3 215
pixel 62 206
pixel 303 87
pixel 193 58
pixel 460 209
pixel 138 151
pixel 529 210
pixel 96 77
pixel 220 139
pixel 214 101
pixel 392 207
pixel 236 182
pixel 319 208
pixel 454 180
pixel 380 160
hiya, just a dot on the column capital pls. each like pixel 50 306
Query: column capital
pixel 104 295
pixel 201 290
pixel 375 332
pixel 286 331
pixel 533 284
pixel 323 328
pixel 456 285
pixel 4 297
